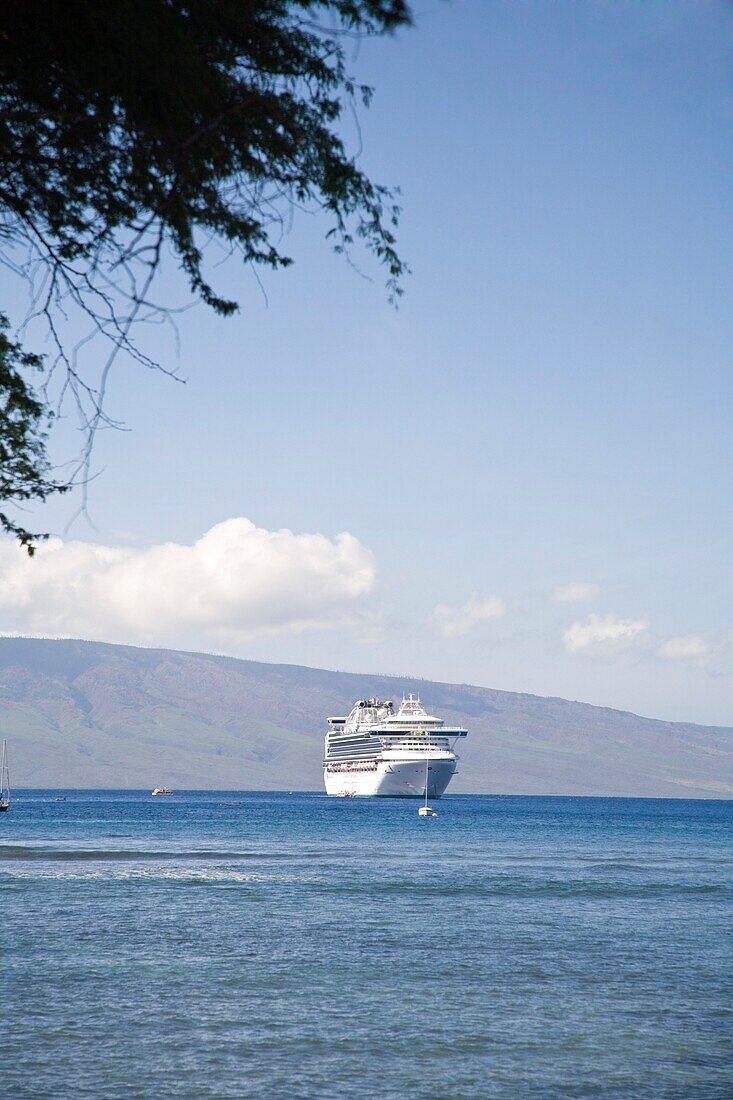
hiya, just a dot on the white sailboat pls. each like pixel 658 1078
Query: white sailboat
pixel 4 780
pixel 425 810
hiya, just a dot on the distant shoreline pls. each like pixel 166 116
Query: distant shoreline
pixel 18 793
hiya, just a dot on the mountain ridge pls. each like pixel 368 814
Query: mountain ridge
pixel 96 714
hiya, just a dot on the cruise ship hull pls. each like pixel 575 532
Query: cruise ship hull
pixel 391 778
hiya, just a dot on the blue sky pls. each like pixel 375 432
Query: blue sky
pixel 551 404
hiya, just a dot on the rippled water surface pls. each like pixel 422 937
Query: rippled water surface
pixel 274 945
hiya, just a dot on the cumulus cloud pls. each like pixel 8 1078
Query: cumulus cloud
pixel 454 621
pixel 603 634
pixel 236 581
pixel 685 647
pixel 575 592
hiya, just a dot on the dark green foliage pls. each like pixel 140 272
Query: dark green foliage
pixel 24 467
pixel 131 126
pixel 128 124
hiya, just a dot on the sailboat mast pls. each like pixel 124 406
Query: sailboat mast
pixel 5 778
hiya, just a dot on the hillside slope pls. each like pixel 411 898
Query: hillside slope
pixel 89 714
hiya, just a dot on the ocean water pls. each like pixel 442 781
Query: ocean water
pixel 276 945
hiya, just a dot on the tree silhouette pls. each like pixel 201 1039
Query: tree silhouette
pixel 133 128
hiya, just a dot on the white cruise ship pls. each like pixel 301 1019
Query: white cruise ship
pixel 376 751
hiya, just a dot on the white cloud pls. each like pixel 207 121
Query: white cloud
pixel 236 581
pixel 575 592
pixel 685 647
pixel 454 621
pixel 600 634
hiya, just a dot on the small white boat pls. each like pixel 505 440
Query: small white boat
pixel 425 810
pixel 161 790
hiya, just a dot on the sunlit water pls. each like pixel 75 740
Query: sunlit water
pixel 236 945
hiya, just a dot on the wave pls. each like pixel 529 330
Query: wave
pixel 9 852
pixel 540 888
pixel 121 873
pixel 156 872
